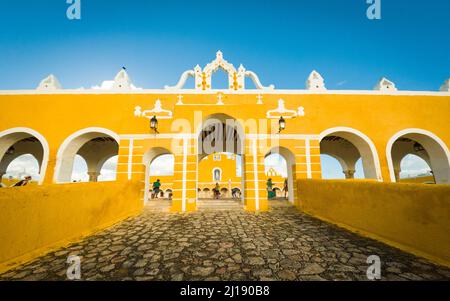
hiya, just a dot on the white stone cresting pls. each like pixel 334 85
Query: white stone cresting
pixel 315 82
pixel 445 86
pixel 49 83
pixel 203 76
pixel 385 85
pixel 122 81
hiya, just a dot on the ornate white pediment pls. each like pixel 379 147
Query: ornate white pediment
pixel 157 111
pixel 236 77
pixel 49 83
pixel 281 111
pixel 385 85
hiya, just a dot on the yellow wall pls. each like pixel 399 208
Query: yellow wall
pixel 412 217
pixel 386 114
pixel 37 219
pixel 377 116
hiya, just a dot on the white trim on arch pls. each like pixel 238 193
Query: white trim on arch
pixel 62 149
pixel 369 142
pixel 42 140
pixel 404 132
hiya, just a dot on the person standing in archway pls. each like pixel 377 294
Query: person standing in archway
pixel 217 191
pixel 156 189
pixel 285 188
pixel 270 192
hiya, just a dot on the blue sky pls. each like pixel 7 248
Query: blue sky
pixel 280 40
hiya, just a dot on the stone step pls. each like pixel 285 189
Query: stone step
pixel 219 205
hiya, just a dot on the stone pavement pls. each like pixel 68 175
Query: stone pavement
pixel 282 244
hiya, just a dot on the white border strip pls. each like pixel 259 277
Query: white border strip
pixel 308 158
pixel 224 91
pixel 130 158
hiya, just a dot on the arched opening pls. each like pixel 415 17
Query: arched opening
pixel 219 80
pixel 424 145
pixel 19 168
pixel 224 192
pixel 15 143
pixel 414 169
pixel 108 172
pixel 80 170
pixel 168 194
pixel 333 168
pixel 236 193
pixel 351 149
pixel 94 145
pixel 159 163
pixel 279 164
pixel 206 194
pixel 220 146
pixel 221 169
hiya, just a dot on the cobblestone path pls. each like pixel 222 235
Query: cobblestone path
pixel 282 244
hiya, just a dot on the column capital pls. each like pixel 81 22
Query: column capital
pixel 349 174
pixel 93 176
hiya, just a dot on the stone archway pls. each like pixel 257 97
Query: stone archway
pixel 289 157
pixel 348 145
pixel 147 160
pixel 19 141
pixel 423 144
pixel 95 145
pixel 221 134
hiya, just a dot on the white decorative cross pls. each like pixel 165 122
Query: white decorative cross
pixel 219 99
pixel 259 97
pixel 180 100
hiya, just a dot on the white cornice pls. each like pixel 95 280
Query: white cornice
pixel 224 91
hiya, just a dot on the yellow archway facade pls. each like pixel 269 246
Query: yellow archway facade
pixel 371 121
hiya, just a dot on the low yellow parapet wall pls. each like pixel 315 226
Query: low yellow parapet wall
pixel 411 217
pixel 35 220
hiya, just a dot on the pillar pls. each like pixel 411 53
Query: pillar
pixel 185 180
pixel 255 192
pixel 93 176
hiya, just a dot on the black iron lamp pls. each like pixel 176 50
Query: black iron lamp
pixel 281 124
pixel 418 147
pixel 154 124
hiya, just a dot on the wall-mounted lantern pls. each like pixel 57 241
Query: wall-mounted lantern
pixel 281 124
pixel 418 147
pixel 154 124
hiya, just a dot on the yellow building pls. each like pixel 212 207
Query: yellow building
pixel 380 126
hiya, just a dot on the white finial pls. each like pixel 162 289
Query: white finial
pixel 385 85
pixel 49 83
pixel 315 81
pixel 137 111
pixel 445 86
pixel 122 80
pixel 219 54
